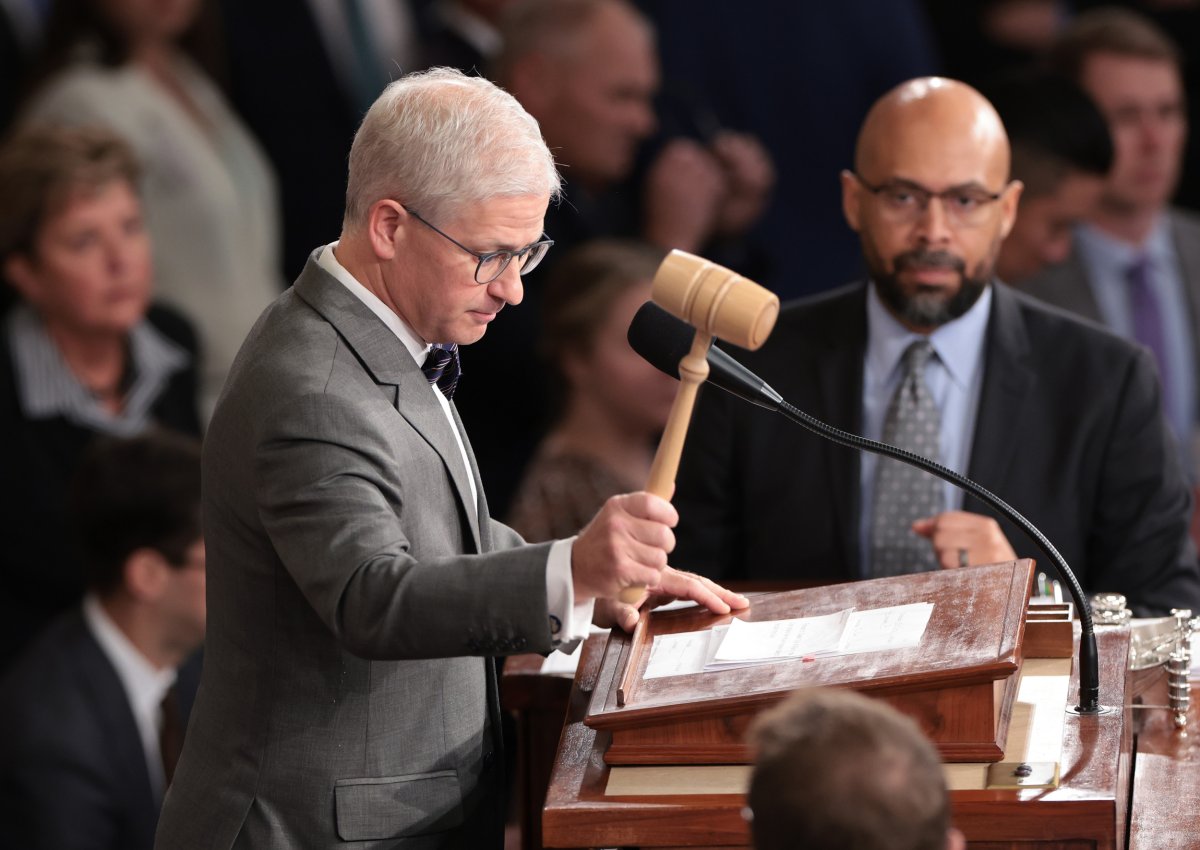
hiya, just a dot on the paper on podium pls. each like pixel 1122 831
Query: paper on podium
pixel 743 644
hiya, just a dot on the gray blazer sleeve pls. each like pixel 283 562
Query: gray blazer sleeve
pixel 362 518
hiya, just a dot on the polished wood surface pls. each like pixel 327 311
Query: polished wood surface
pixel 1086 812
pixel 1166 782
pixel 958 684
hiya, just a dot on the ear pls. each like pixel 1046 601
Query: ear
pixel 851 200
pixel 385 227
pixel 145 574
pixel 1009 202
pixel 19 271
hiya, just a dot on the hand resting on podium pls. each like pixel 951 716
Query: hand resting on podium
pixel 960 538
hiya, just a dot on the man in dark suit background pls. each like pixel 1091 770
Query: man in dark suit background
pixel 358 586
pixel 93 711
pixel 1058 418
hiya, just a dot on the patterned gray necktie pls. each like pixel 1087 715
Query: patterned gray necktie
pixel 904 493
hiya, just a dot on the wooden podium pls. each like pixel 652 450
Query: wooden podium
pixel 668 800
pixel 958 684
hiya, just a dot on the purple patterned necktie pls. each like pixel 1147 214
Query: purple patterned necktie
pixel 1147 320
pixel 442 367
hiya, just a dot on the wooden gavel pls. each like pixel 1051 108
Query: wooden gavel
pixel 717 303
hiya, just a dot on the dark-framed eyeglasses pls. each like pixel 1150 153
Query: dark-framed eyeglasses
pixel 493 263
pixel 904 201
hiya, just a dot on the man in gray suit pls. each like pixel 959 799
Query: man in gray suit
pixel 1135 266
pixel 357 584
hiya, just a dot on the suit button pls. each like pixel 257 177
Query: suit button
pixel 489 759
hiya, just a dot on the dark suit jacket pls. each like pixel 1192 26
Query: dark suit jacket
pixel 1066 284
pixel 353 589
pixel 72 768
pixel 1068 432
pixel 39 562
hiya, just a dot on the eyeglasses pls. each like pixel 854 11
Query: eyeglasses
pixel 492 264
pixel 905 202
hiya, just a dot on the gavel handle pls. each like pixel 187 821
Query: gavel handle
pixel 693 371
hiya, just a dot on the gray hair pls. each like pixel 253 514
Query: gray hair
pixel 438 140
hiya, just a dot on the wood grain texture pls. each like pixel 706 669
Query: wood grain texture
pixel 959 683
pixel 1086 812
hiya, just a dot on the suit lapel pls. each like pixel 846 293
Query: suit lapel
pixel 107 697
pixel 1078 296
pixel 839 372
pixel 388 363
pixel 1008 376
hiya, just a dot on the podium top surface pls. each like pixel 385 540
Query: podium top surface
pixel 974 635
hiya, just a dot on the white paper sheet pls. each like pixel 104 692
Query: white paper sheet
pixel 684 653
pixel 774 640
pixel 897 627
pixel 745 644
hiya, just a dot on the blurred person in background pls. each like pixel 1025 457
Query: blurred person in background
pixel 1136 262
pixel 83 353
pixel 613 404
pixel 587 70
pixel 94 710
pixel 1062 153
pixel 208 190
pixel 836 770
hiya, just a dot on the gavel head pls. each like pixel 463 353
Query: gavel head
pixel 715 300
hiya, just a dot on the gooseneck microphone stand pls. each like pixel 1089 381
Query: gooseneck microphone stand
pixel 657 336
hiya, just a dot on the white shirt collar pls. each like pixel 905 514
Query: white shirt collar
pixel 145 683
pixel 416 346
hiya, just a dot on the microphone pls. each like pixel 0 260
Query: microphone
pixel 663 340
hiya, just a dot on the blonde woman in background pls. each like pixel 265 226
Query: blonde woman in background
pixel 208 191
pixel 613 404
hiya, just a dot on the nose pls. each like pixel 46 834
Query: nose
pixel 933 224
pixel 508 287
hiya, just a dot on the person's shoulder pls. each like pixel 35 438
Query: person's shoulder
pixel 825 312
pixel 1056 332
pixel 80 92
pixel 1184 219
pixel 44 688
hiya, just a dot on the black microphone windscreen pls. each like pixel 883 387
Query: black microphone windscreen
pixel 660 338
pixel 663 340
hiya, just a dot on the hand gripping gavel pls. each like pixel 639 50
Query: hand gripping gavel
pixel 717 303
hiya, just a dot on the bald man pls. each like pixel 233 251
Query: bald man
pixel 1057 417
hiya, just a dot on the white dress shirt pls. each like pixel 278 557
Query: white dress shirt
pixel 955 380
pixel 145 685
pixel 569 622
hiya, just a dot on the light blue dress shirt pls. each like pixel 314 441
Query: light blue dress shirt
pixel 954 377
pixel 1107 261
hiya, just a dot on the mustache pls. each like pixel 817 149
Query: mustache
pixel 921 258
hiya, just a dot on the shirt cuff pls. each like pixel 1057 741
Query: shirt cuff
pixel 568 622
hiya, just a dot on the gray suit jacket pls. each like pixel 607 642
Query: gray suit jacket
pixel 1066 284
pixel 351 594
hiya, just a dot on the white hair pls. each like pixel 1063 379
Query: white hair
pixel 438 140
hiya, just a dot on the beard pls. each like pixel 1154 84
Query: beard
pixel 929 306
